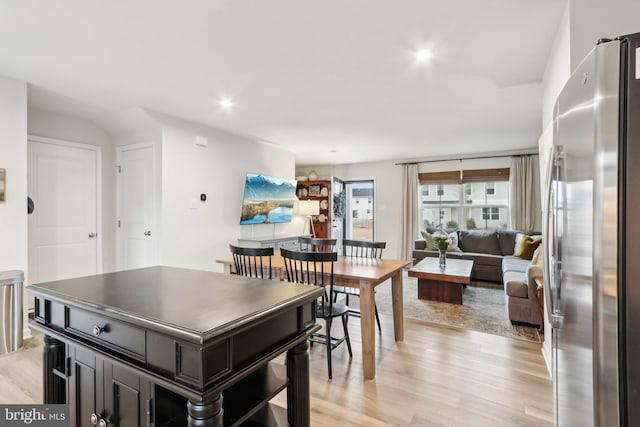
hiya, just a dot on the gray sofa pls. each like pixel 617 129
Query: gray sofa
pixel 493 261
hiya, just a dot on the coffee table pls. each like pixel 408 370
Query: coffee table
pixel 438 284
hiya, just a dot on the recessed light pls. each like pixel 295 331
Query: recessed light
pixel 226 104
pixel 423 55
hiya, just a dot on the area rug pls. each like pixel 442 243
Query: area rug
pixel 484 309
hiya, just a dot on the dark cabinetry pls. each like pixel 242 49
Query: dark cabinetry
pixel 101 392
pixel 319 191
pixel 117 360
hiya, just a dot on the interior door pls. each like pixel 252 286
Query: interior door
pixel 136 205
pixel 64 238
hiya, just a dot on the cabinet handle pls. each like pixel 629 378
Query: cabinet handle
pixel 97 330
pixel 94 419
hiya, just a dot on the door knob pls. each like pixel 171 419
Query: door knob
pixel 147 233
pixel 94 419
pixel 92 235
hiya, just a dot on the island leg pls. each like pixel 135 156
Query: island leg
pixel 298 407
pixel 205 414
pixel 53 357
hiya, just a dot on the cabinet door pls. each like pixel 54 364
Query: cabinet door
pixel 126 397
pixel 85 386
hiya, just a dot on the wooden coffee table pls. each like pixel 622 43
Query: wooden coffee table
pixel 438 284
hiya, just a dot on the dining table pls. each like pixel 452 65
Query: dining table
pixel 364 274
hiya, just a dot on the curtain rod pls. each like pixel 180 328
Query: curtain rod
pixel 466 158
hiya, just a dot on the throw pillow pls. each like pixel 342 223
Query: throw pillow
pixel 526 245
pixel 540 260
pixel 481 242
pixel 536 259
pixel 453 242
pixel 429 242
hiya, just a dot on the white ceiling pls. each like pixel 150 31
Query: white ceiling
pixel 310 76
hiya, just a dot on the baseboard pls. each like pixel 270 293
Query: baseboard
pixel 26 334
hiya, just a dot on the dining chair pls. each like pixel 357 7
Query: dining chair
pixel 252 262
pixel 359 249
pixel 316 268
pixel 316 244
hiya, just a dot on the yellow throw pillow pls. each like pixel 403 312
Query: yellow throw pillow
pixel 526 245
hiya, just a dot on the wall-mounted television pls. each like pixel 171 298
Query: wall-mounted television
pixel 267 199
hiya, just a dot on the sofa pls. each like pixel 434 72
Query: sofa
pixel 493 260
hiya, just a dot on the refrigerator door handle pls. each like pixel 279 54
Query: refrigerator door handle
pixel 551 252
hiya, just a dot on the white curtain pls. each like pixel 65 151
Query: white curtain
pixel 526 210
pixel 409 209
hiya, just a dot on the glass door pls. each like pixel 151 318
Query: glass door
pixel 338 204
pixel 360 210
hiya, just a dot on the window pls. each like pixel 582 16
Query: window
pixel 492 214
pixel 368 211
pixel 475 199
pixel 369 200
pixel 357 201
pixel 354 214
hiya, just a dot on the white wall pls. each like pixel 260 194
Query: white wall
pixel 195 233
pixel 387 195
pixel 74 129
pixel 13 158
pixel 558 68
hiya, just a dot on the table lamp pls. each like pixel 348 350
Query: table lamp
pixel 309 208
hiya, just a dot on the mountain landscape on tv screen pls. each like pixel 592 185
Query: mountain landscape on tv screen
pixel 267 199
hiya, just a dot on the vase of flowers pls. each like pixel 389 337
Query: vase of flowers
pixel 441 239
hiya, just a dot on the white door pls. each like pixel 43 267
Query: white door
pixel 64 239
pixel 136 207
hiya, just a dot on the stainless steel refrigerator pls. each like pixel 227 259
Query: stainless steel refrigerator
pixel 592 245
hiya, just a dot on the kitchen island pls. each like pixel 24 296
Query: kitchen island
pixel 164 346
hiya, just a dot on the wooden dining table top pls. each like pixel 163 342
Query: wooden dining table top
pixel 350 268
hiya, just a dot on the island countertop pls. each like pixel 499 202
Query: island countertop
pixel 195 305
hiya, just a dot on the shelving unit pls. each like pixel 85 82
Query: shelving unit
pixel 319 190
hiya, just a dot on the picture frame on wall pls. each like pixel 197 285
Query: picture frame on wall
pixel 3 184
pixel 314 190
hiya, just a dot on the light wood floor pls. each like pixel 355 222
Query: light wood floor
pixel 437 377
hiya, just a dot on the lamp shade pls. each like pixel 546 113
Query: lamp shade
pixel 309 207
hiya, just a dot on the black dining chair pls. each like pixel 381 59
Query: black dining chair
pixel 252 262
pixel 359 249
pixel 311 244
pixel 316 268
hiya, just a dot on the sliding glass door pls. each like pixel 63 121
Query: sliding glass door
pixel 360 210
